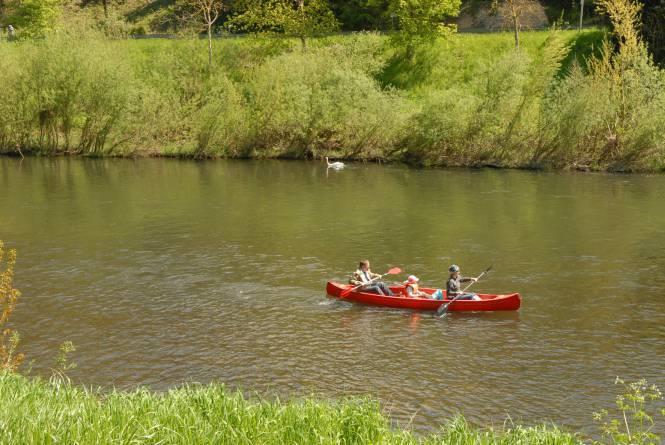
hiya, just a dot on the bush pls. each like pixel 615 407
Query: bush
pixel 10 359
pixel 62 96
pixel 309 104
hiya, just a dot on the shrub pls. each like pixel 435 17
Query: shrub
pixel 10 359
pixel 63 96
pixel 308 104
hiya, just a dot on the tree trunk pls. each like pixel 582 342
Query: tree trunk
pixel 410 52
pixel 106 8
pixel 304 43
pixel 516 27
pixel 210 45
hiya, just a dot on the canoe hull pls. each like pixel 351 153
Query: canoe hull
pixel 488 302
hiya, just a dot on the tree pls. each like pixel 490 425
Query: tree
pixel 653 28
pixel 422 22
pixel 297 18
pixel 106 4
pixel 35 18
pixel 513 12
pixel 10 360
pixel 362 14
pixel 206 11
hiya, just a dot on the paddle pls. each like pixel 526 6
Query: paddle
pixel 443 309
pixel 393 271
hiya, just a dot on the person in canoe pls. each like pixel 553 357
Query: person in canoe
pixel 368 279
pixel 411 288
pixel 453 286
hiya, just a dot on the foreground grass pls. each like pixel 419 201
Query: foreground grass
pixel 37 412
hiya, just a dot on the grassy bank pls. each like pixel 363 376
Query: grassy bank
pixel 36 412
pixel 469 101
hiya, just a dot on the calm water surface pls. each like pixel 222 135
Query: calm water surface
pixel 163 272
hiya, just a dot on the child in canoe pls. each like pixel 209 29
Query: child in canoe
pixel 412 290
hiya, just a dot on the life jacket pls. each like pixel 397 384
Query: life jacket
pixel 413 286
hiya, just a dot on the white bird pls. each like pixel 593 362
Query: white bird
pixel 337 165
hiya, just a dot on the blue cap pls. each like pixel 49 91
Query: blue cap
pixel 453 268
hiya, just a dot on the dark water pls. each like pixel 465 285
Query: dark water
pixel 163 272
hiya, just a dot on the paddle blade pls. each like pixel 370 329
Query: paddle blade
pixel 394 271
pixel 442 310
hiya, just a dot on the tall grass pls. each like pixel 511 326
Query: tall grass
pixel 38 412
pixel 561 101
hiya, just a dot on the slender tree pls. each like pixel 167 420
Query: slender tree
pixel 206 12
pixel 513 12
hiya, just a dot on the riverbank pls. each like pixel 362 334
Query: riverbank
pixel 36 412
pixel 472 100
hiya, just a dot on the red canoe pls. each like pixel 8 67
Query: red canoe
pixel 488 302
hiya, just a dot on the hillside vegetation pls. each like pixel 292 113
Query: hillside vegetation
pixel 562 99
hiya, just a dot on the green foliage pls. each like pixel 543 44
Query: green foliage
pixel 422 22
pixel 467 100
pixel 35 412
pixel 653 28
pixel 36 18
pixel 635 417
pixel 62 96
pixel 306 105
pixel 363 14
pixel 299 18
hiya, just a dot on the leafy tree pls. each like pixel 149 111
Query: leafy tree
pixel 362 14
pixel 35 18
pixel 297 18
pixel 422 22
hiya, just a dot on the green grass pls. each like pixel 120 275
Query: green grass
pixel 458 61
pixel 36 412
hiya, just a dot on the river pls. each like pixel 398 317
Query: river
pixel 164 271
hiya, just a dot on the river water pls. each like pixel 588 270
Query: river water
pixel 163 272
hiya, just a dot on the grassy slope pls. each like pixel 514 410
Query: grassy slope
pixel 35 412
pixel 458 61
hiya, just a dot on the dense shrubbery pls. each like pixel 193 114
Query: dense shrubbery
pixel 471 100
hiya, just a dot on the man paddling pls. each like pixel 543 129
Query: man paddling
pixel 365 277
pixel 453 287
